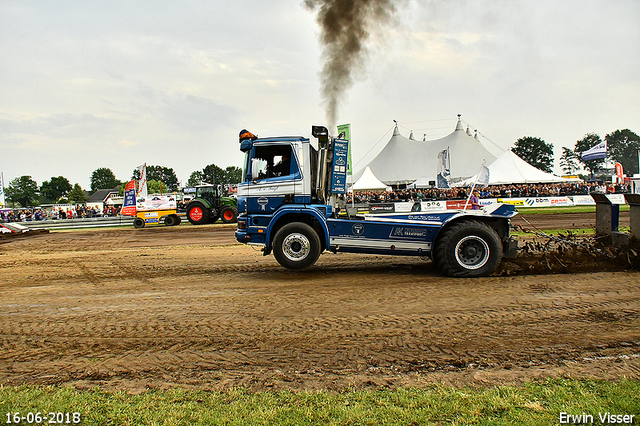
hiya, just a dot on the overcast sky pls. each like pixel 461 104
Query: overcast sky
pixel 115 84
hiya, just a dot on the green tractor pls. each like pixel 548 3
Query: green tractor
pixel 208 205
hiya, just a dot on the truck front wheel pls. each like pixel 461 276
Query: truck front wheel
pixel 468 249
pixel 296 246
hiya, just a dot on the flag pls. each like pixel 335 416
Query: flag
pixel 595 153
pixel 346 128
pixel 483 176
pixel 619 171
pixel 443 180
pixel 129 205
pixel 142 181
pixel 2 200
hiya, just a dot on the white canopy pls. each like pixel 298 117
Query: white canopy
pixel 509 168
pixel 405 159
pixel 368 182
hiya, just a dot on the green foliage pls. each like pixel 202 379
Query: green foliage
pixel 55 188
pixel 103 178
pixel 623 146
pixel 196 178
pixel 534 403
pixel 77 195
pixel 535 151
pixel 166 175
pixel 589 141
pixel 24 191
pixel 156 187
pixel 214 174
pixel 569 161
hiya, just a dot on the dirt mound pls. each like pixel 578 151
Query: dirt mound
pixel 572 253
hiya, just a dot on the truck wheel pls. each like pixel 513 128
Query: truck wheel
pixel 296 246
pixel 468 249
pixel 229 214
pixel 138 223
pixel 197 213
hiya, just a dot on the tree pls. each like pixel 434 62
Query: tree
pixel 589 141
pixel 55 188
pixel 569 161
pixel 213 174
pixel 103 178
pixel 196 178
pixel 77 194
pixel 24 191
pixel 166 175
pixel 233 175
pixel 623 147
pixel 156 187
pixel 535 151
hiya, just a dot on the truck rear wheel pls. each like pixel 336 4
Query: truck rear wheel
pixel 229 214
pixel 296 246
pixel 468 249
pixel 197 213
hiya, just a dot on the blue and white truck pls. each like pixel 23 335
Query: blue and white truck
pixel 289 203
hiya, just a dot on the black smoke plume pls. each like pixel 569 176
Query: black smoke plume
pixel 346 26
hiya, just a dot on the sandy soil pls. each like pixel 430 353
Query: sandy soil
pixel 158 307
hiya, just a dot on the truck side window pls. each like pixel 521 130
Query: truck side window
pixel 274 161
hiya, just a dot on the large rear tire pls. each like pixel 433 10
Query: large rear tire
pixel 296 246
pixel 197 213
pixel 468 249
pixel 229 214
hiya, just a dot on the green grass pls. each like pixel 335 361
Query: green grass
pixel 535 403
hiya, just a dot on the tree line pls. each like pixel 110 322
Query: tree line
pixel 23 191
pixel 622 146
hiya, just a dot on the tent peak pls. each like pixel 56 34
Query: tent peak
pixel 459 123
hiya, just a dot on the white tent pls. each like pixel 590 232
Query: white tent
pixel 369 182
pixel 404 159
pixel 509 168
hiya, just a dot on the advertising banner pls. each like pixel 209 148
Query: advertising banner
pixel 129 204
pixel 156 202
pixel 381 208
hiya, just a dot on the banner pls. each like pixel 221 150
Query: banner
pixel 346 128
pixel 619 171
pixel 2 200
pixel 129 205
pixel 595 153
pixel 443 179
pixel 142 182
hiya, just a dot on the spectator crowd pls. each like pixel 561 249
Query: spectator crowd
pixel 494 191
pixel 55 213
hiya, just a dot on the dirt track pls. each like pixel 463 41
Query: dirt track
pixel 132 309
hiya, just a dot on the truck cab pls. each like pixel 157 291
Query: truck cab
pixel 288 203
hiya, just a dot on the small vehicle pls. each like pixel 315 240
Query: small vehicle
pixel 169 217
pixel 208 205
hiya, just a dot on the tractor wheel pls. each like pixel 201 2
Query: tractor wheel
pixel 296 246
pixel 172 220
pixel 468 249
pixel 138 223
pixel 197 213
pixel 229 214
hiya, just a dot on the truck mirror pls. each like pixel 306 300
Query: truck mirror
pixel 255 169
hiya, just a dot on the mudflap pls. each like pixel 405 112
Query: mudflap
pixel 510 248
